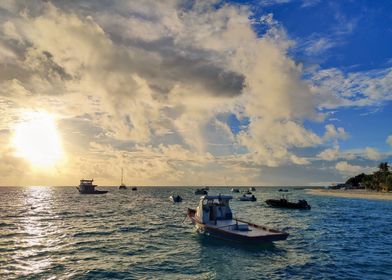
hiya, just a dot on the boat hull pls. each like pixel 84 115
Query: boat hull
pixel 91 192
pixel 234 236
pixel 285 204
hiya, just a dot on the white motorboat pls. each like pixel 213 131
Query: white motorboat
pixel 213 217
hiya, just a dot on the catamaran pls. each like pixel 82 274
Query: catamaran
pixel 213 217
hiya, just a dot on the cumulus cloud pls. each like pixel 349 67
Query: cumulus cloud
pixel 145 81
pixel 329 154
pixel 389 140
pixel 371 153
pixel 348 169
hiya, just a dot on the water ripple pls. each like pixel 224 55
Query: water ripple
pixel 49 233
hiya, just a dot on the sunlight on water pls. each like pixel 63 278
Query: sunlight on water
pixel 56 232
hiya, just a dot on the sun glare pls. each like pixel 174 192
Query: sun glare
pixel 37 140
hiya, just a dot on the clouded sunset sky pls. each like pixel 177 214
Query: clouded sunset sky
pixel 267 92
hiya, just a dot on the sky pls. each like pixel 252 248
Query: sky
pixel 178 93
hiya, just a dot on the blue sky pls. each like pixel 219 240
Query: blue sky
pixel 267 92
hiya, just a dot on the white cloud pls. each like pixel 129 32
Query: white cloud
pixel 371 153
pixel 145 82
pixel 329 154
pixel 347 169
pixel 333 133
pixel 338 89
pixel 389 140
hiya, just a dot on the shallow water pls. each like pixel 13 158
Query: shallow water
pixel 54 232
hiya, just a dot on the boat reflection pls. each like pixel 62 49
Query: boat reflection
pixel 221 244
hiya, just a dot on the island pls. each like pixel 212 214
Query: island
pixel 369 186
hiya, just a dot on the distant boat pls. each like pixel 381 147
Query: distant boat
pixel 201 191
pixel 175 198
pixel 283 190
pixel 134 188
pixel 87 187
pixel 252 189
pixel 284 203
pixel 235 190
pixel 122 185
pixel 213 217
pixel 247 197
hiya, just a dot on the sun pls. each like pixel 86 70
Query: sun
pixel 37 140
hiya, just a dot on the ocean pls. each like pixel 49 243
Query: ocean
pixel 56 233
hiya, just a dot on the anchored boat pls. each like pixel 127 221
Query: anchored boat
pixel 87 187
pixel 201 191
pixel 213 217
pixel 175 198
pixel 122 185
pixel 284 203
pixel 247 197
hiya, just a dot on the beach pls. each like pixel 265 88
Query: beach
pixel 352 193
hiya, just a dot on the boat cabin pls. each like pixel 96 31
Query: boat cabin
pixel 213 208
pixel 87 185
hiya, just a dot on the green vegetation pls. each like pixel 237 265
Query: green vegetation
pixel 380 180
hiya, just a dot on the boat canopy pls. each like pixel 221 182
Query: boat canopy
pixel 86 181
pixel 214 207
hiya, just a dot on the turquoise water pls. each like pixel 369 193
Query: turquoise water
pixel 50 233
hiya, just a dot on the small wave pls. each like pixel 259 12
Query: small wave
pixel 92 233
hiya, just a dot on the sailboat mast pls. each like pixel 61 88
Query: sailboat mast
pixel 122 176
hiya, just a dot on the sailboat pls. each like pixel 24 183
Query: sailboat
pixel 122 186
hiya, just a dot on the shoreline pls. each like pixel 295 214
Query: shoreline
pixel 362 194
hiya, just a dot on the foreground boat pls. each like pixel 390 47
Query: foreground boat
pixel 175 198
pixel 284 203
pixel 87 187
pixel 213 217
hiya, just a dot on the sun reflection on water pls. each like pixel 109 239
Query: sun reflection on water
pixel 36 230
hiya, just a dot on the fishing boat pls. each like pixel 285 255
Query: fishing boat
pixel 235 190
pixel 284 203
pixel 175 198
pixel 87 187
pixel 214 217
pixel 201 191
pixel 247 197
pixel 122 185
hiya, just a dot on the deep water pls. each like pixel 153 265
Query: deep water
pixel 56 233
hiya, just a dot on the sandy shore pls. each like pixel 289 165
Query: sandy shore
pixel 352 194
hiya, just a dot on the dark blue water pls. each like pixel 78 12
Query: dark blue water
pixel 50 233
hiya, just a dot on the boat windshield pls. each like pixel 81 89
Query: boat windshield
pixel 216 202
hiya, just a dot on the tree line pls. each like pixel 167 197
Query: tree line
pixel 381 180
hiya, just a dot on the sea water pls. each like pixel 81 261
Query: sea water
pixel 56 233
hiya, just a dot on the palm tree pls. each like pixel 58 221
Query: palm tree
pixel 383 166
